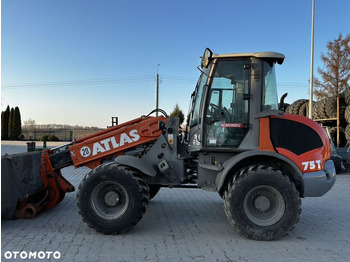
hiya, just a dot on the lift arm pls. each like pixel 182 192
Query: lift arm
pixel 44 186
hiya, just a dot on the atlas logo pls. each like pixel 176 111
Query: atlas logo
pixel 110 143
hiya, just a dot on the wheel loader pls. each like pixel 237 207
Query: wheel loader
pixel 237 142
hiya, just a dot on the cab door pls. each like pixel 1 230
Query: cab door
pixel 226 120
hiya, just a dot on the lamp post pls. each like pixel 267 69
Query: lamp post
pixel 157 92
pixel 312 61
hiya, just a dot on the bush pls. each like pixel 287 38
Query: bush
pixel 49 138
pixel 53 138
pixel 44 138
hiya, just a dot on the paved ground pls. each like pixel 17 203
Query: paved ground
pixel 181 225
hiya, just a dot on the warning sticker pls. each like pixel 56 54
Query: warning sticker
pixel 212 140
pixel 171 139
pixel 196 140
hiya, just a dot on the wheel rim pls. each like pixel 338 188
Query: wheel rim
pixel 109 200
pixel 264 205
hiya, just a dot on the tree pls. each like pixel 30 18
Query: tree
pixel 336 75
pixel 11 131
pixel 18 123
pixel 5 123
pixel 30 125
pixel 11 126
pixel 177 112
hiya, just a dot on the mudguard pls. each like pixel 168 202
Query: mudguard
pixel 230 163
pixel 137 163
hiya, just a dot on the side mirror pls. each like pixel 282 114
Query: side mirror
pixel 206 58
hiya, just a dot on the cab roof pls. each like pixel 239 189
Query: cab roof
pixel 274 56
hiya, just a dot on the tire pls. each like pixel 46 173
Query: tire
pixel 331 108
pixel 288 109
pixel 319 109
pixel 347 114
pixel 295 106
pixel 347 133
pixel 303 111
pixel 316 111
pixel 322 108
pixel 261 203
pixel 112 198
pixel 153 191
pixel 347 96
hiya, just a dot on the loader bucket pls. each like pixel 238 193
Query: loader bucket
pixel 20 178
pixel 30 185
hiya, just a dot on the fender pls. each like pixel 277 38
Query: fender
pixel 137 163
pixel 233 161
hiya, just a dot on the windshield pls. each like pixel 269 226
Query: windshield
pixel 269 95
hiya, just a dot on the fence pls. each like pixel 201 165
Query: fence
pixel 62 134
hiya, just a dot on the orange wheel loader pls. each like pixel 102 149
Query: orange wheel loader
pixel 238 143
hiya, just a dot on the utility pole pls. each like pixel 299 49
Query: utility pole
pixel 312 60
pixel 157 93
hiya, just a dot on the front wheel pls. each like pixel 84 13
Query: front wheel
pixel 261 203
pixel 112 198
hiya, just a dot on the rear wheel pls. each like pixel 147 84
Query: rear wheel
pixel 261 203
pixel 112 199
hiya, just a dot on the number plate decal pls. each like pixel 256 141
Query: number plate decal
pixel 85 151
pixel 312 165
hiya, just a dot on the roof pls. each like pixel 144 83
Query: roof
pixel 276 57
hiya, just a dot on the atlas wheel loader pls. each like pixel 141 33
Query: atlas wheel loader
pixel 237 143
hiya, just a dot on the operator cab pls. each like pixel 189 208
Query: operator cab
pixel 231 90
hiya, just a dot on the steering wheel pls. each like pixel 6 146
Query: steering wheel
pixel 214 107
pixel 214 111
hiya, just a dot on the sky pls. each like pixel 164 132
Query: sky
pixel 81 62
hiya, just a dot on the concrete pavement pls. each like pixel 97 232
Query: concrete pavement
pixel 180 225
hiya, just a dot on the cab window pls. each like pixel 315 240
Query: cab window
pixel 269 91
pixel 197 100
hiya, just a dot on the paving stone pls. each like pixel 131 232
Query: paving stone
pixel 183 225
